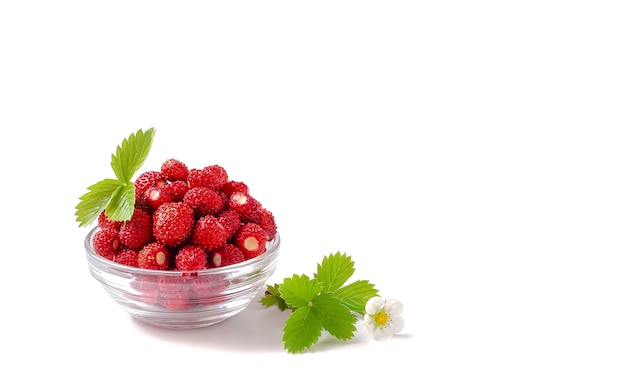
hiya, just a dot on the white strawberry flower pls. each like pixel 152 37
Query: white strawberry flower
pixel 382 317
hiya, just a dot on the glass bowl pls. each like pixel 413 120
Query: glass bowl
pixel 183 300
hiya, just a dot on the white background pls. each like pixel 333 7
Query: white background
pixel 469 156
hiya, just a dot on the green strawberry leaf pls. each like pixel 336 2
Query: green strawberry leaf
pixel 299 290
pixel 131 154
pixel 272 297
pixel 356 294
pixel 95 201
pixel 122 203
pixel 116 196
pixel 302 329
pixel 334 316
pixel 334 271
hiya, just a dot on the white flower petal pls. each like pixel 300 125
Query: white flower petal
pixel 394 307
pixel 383 333
pixel 369 323
pixel 397 324
pixel 374 304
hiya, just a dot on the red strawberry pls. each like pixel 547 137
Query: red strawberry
pixel 204 201
pixel 228 254
pixel 191 258
pixel 137 231
pixel 173 223
pixel 128 257
pixel 223 196
pixel 230 187
pixel 176 300
pixel 208 233
pixel 208 287
pixel 174 293
pixel 251 239
pixel 173 170
pixel 143 182
pixel 147 287
pixel 105 222
pixel 106 243
pixel 155 196
pixel 194 178
pixel 213 177
pixel 154 256
pixel 178 189
pixel 246 206
pixel 216 175
pixel 231 221
pixel 268 222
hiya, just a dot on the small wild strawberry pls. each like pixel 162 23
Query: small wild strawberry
pixel 144 181
pixel 147 288
pixel 216 175
pixel 204 201
pixel 208 233
pixel 106 242
pixel 191 258
pixel 174 293
pixel 213 176
pixel 155 196
pixel 173 169
pixel 154 256
pixel 231 221
pixel 231 186
pixel 266 220
pixel 176 300
pixel 245 205
pixel 226 255
pixel 178 189
pixel 206 287
pixel 128 257
pixel 251 239
pixel 105 222
pixel 137 231
pixel 173 223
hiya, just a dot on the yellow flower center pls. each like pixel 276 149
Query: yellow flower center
pixel 381 318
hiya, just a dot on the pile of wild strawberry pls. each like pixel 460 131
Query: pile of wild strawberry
pixel 187 219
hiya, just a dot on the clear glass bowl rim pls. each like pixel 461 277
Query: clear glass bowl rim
pixel 272 248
